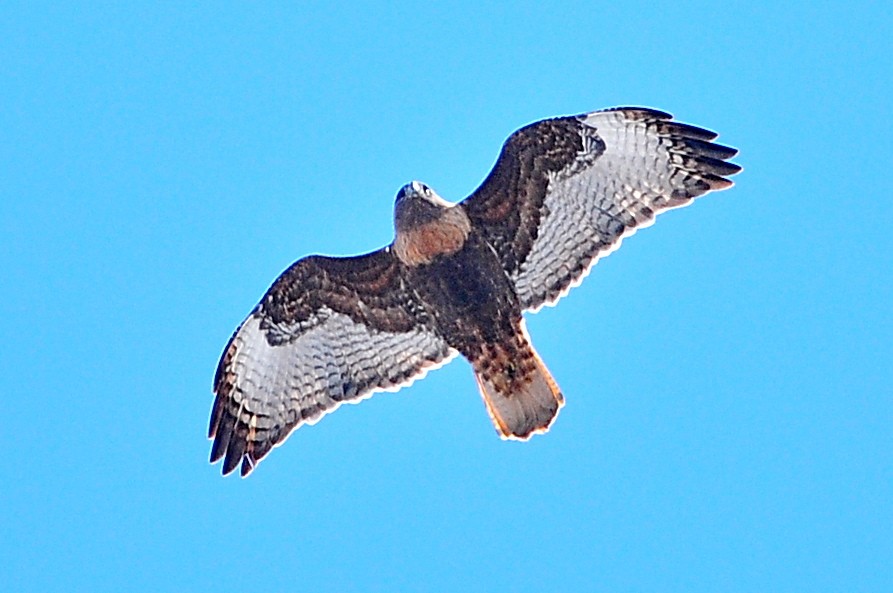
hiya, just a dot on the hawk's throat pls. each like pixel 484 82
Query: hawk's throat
pixel 444 234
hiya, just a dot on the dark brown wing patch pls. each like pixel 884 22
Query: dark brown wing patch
pixel 367 288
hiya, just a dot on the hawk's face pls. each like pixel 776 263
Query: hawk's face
pixel 417 204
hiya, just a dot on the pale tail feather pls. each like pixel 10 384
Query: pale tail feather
pixel 527 410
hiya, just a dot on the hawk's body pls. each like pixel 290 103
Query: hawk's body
pixel 473 305
pixel 457 278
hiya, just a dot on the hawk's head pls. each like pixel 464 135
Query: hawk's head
pixel 426 225
pixel 417 204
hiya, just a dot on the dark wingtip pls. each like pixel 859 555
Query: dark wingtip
pixel 221 441
pixel 247 466
pixel 652 113
pixel 717 167
pixel 642 112
pixel 234 453
pixel 688 131
pixel 709 149
pixel 214 422
pixel 716 183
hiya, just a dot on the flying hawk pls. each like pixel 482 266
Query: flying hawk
pixel 456 280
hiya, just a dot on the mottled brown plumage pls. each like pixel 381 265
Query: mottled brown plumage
pixel 457 278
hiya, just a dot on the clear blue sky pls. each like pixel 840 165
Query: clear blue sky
pixel 727 372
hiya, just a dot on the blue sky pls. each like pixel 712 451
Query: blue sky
pixel 727 372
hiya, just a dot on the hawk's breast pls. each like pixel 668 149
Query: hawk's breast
pixel 469 296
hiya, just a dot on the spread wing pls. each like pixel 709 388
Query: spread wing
pixel 329 331
pixel 565 191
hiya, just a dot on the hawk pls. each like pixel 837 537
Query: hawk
pixel 457 278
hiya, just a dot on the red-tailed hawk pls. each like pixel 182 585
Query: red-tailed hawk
pixel 457 278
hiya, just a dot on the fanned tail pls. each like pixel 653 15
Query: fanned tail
pixel 521 396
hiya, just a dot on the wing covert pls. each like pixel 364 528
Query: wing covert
pixel 329 331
